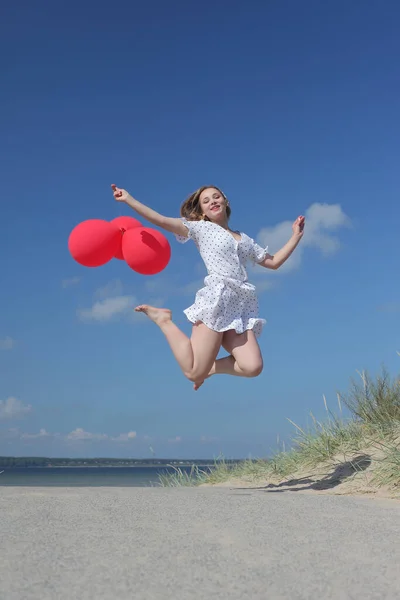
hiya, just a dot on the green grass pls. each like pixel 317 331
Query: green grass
pixel 388 469
pixel 180 478
pixel 375 402
pixel 372 426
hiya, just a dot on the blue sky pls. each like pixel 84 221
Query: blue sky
pixel 291 108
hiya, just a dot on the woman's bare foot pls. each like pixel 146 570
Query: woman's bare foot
pixel 159 316
pixel 198 384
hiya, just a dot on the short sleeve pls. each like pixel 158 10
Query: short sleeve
pixel 258 253
pixel 193 228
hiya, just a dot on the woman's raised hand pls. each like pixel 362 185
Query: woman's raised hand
pixel 298 225
pixel 120 195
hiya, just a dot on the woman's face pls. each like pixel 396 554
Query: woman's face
pixel 213 204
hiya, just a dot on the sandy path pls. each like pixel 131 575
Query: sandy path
pixel 183 544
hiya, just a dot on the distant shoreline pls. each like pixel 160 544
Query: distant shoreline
pixel 46 463
pixel 151 466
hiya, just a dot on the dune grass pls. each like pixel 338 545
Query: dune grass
pixel 371 428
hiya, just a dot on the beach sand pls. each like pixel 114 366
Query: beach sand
pixel 195 543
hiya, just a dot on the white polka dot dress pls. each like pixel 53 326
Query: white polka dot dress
pixel 228 300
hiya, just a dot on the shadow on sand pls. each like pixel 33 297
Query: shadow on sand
pixel 336 477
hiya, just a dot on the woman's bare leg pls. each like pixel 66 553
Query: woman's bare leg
pixel 195 356
pixel 245 358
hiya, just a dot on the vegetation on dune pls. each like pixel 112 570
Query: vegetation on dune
pixel 363 448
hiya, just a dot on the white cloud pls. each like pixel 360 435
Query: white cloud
pixel 107 309
pixel 205 439
pixel 71 281
pixel 167 287
pixel 110 304
pixel 125 437
pixel 12 408
pixel 7 343
pixel 77 435
pixel 175 440
pixel 321 220
pixel 111 290
pixel 165 284
pixel 80 434
pixel 34 436
pixel 12 433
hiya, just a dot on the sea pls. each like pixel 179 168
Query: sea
pixel 143 476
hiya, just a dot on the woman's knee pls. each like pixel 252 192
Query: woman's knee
pixel 196 375
pixel 253 369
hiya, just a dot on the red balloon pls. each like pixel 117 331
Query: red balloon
pixel 94 242
pixel 124 223
pixel 146 251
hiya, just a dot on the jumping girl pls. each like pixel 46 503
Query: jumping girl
pixel 225 311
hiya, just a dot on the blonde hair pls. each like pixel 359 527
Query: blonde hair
pixel 191 208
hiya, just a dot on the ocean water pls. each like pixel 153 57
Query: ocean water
pixel 84 476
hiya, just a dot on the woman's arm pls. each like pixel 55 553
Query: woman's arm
pixel 277 260
pixel 175 225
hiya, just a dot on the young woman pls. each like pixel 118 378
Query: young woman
pixel 225 311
